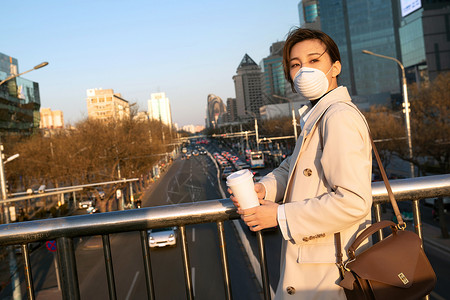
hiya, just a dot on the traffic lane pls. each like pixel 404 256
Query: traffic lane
pixel 186 184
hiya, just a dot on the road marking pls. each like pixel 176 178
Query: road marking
pixel 193 234
pixel 193 280
pixel 132 285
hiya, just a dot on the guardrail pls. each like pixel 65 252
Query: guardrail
pixel 63 230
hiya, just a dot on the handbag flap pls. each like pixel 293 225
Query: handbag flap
pixel 392 261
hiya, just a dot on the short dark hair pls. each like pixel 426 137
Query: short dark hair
pixel 297 35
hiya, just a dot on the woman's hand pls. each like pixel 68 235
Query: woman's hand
pixel 260 217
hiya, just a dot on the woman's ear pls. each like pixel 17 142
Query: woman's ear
pixel 336 69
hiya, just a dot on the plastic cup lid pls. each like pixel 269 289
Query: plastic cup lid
pixel 238 177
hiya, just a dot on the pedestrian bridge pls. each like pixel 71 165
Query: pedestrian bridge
pixel 64 230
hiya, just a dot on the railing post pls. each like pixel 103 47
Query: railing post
pixel 223 255
pixel 67 269
pixel 109 266
pixel 28 275
pixel 263 262
pixel 147 264
pixel 377 207
pixel 186 264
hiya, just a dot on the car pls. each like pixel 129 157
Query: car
pixel 86 204
pixel 202 152
pixel 188 155
pixel 195 153
pixel 227 171
pixel 162 237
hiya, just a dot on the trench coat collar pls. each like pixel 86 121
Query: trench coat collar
pixel 340 94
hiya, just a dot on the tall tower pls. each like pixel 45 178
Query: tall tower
pixel 356 25
pixel 216 111
pixel 159 108
pixel 247 83
pixel 308 13
pixel 273 81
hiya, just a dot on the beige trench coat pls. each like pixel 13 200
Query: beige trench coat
pixel 325 186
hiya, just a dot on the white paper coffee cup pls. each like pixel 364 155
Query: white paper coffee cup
pixel 243 187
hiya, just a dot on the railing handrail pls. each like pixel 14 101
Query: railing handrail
pixel 186 214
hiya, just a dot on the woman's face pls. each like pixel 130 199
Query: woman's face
pixel 312 54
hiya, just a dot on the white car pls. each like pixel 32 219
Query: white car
pixel 161 237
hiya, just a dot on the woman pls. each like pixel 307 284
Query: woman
pixel 325 186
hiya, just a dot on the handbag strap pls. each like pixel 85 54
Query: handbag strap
pixel 398 215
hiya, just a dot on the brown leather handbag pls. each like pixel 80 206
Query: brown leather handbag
pixel 394 268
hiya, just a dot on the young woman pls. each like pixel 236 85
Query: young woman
pixel 325 186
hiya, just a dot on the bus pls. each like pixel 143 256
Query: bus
pixel 257 159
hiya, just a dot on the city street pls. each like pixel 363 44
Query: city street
pixel 186 181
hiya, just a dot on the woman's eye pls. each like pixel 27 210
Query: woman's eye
pixel 314 60
pixel 294 65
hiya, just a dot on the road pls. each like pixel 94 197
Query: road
pixel 440 260
pixel 186 181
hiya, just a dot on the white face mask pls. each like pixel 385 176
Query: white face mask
pixel 311 83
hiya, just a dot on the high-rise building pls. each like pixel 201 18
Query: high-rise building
pixel 275 88
pixel 357 25
pixel 247 84
pixel 308 13
pixel 436 32
pixel 216 111
pixel 231 110
pixel 273 81
pixel 159 108
pixel 19 98
pixel 106 105
pixel 51 119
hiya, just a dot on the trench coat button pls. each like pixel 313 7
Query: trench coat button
pixel 307 172
pixel 290 290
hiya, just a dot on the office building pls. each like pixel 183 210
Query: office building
pixel 19 100
pixel 247 84
pixel 106 105
pixel 216 111
pixel 231 110
pixel 357 25
pixel 308 13
pixel 273 81
pixel 159 108
pixel 51 119
pixel 436 32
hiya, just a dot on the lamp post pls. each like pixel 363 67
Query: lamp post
pixel 405 105
pixel 256 128
pixel 294 120
pixel 15 282
pixel 17 75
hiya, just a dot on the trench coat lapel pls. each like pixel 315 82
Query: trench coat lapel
pixel 340 94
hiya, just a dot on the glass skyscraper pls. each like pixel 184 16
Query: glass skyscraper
pixel 19 100
pixel 357 25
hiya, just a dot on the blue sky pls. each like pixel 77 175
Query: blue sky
pixel 187 49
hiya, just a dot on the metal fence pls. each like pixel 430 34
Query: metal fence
pixel 63 230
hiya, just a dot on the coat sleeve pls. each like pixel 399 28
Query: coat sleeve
pixel 275 182
pixel 347 163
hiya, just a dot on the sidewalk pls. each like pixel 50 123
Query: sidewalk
pixel 432 237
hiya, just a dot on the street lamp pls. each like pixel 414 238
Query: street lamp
pixel 17 75
pixel 256 128
pixel 294 120
pixel 12 259
pixel 405 104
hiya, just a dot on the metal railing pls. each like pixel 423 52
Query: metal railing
pixel 63 230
